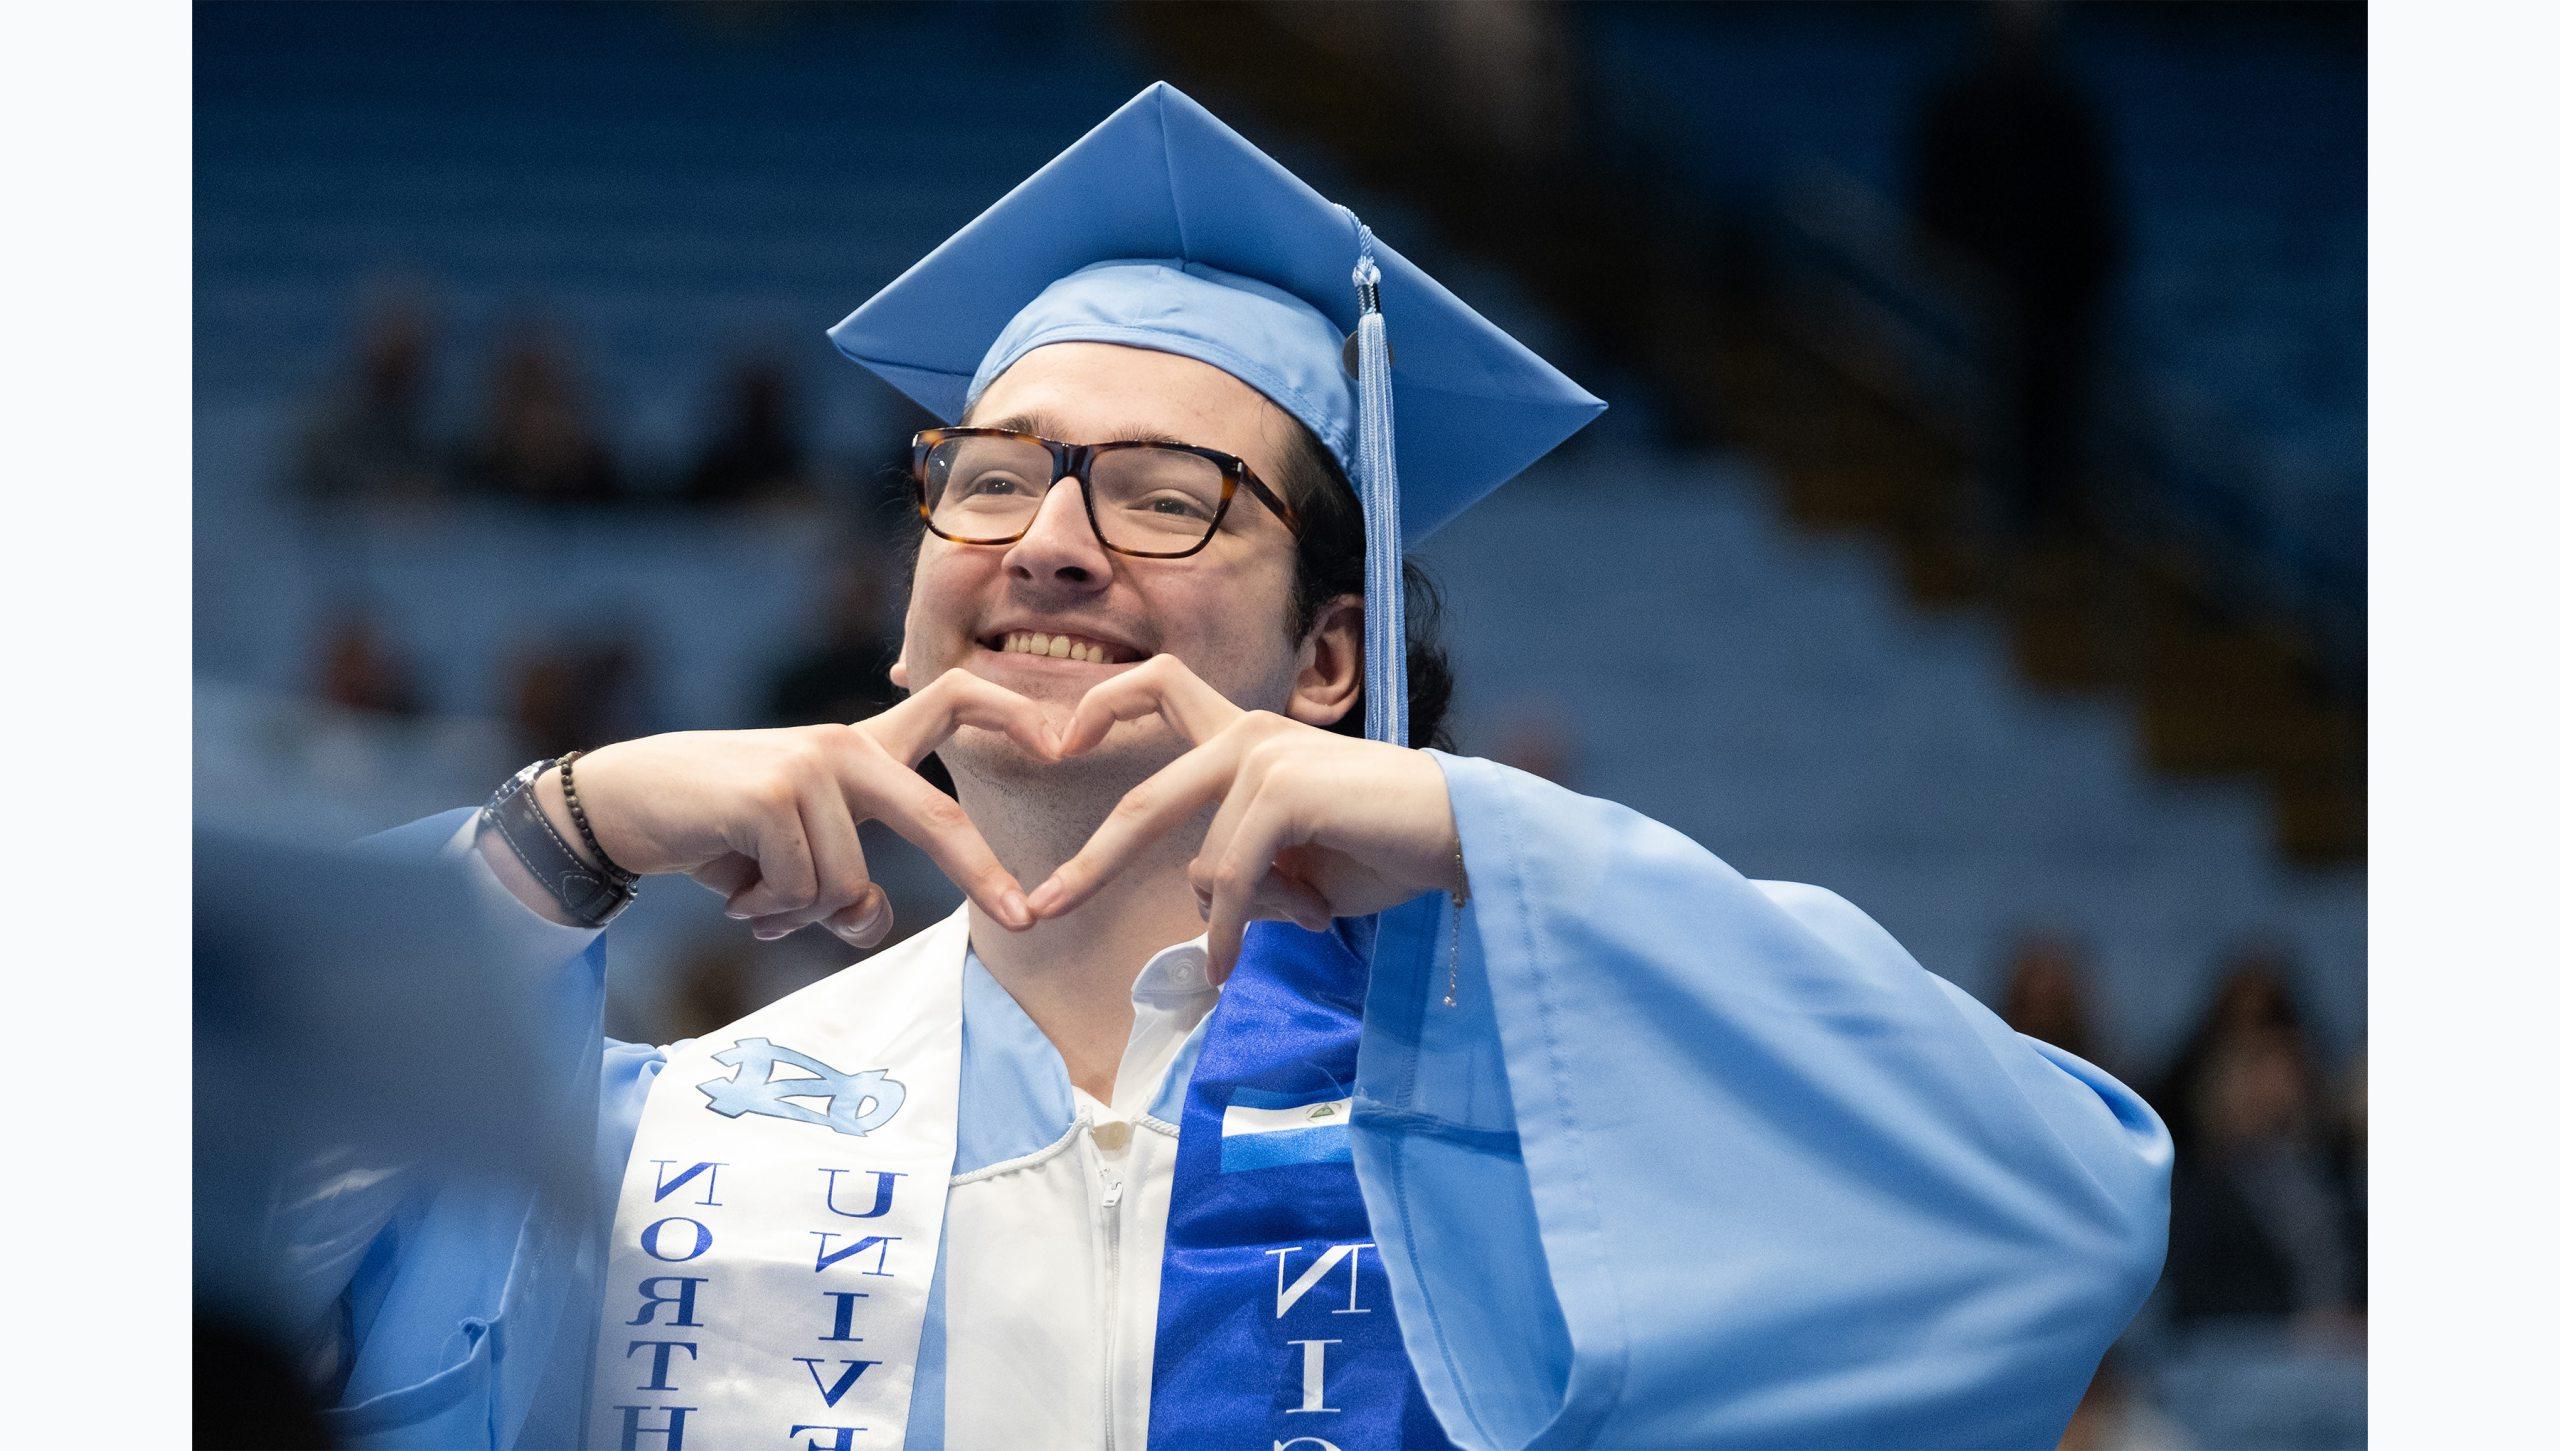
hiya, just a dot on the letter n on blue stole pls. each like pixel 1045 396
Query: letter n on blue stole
pixel 1275 1326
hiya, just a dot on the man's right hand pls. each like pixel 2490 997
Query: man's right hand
pixel 766 817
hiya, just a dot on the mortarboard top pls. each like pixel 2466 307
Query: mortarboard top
pixel 1163 228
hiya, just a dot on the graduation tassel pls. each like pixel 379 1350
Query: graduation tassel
pixel 1385 685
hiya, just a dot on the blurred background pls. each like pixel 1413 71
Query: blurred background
pixel 1991 378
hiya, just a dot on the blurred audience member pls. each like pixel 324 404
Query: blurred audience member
pixel 714 984
pixel 2256 995
pixel 2260 1224
pixel 720 974
pixel 2346 1114
pixel 1538 739
pixel 370 437
pixel 756 455
pixel 578 696
pixel 2013 169
pixel 538 441
pixel 360 670
pixel 2115 1415
pixel 2044 998
pixel 844 676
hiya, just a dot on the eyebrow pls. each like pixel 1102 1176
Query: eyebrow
pixel 1047 426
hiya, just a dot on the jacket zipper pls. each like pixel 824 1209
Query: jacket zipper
pixel 1111 1185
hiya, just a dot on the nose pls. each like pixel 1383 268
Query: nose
pixel 1060 547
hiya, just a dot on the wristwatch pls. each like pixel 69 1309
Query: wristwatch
pixel 590 897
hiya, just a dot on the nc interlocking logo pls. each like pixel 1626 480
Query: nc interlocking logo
pixel 857 1103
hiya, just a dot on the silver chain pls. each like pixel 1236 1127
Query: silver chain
pixel 1457 904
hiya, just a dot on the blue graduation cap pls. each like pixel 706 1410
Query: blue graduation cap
pixel 1162 228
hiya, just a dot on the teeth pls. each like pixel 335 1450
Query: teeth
pixel 1056 647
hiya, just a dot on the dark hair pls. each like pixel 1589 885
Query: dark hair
pixel 1333 561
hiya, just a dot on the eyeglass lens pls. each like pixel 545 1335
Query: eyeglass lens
pixel 1144 498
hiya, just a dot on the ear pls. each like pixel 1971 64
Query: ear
pixel 1329 663
pixel 898 671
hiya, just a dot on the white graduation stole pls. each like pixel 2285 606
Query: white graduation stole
pixel 781 1215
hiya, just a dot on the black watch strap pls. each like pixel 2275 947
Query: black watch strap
pixel 591 898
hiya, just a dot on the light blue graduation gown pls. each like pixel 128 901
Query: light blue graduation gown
pixel 1693 1161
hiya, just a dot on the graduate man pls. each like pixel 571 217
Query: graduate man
pixel 1482 1113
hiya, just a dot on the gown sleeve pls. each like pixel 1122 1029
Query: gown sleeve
pixel 1699 1161
pixel 453 1311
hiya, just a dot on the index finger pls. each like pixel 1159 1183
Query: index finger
pixel 911 729
pixel 1163 686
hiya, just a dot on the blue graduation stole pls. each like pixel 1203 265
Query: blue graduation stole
pixel 1275 1327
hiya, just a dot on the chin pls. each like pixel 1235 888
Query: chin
pixel 1133 751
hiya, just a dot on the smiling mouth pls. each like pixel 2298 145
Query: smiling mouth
pixel 1060 647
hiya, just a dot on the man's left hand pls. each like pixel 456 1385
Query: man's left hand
pixel 1310 825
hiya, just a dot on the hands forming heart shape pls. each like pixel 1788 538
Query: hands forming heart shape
pixel 1310 825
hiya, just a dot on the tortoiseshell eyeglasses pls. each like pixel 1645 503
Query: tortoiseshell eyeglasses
pixel 1148 499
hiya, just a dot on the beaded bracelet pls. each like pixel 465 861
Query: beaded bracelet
pixel 587 833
